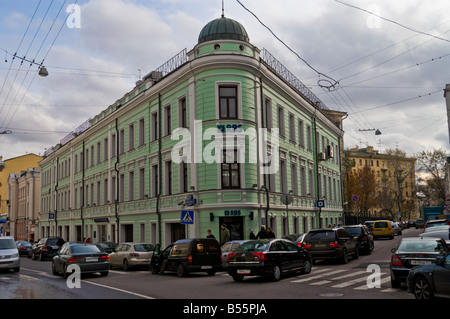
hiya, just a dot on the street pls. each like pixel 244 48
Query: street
pixel 327 280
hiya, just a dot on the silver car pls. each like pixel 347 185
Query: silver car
pixel 9 255
pixel 129 255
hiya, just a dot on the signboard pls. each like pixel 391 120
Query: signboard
pixel 187 217
pixel 190 200
pixel 355 198
pixel 320 203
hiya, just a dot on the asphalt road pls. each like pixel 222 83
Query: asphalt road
pixel 327 280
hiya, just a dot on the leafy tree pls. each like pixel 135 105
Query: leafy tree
pixel 432 182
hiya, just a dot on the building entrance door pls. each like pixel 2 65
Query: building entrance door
pixel 235 225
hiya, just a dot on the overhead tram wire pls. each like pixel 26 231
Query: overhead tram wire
pixel 45 56
pixel 328 79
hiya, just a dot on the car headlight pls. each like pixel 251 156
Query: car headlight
pixel 15 255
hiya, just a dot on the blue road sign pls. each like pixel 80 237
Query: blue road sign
pixel 187 217
pixel 355 198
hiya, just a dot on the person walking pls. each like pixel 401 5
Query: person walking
pixel 270 233
pixel 224 234
pixel 262 234
pixel 252 234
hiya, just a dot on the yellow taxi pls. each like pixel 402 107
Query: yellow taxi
pixel 382 228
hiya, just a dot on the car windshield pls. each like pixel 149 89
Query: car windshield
pixel 144 247
pixel 55 241
pixel 85 249
pixel 328 234
pixel 7 244
pixel 354 231
pixel 421 246
pixel 254 245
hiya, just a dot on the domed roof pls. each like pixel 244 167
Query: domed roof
pixel 223 28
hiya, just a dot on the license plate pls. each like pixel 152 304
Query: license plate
pixel 420 262
pixel 207 267
pixel 320 245
pixel 91 259
pixel 243 271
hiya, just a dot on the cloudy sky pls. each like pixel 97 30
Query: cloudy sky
pixel 389 61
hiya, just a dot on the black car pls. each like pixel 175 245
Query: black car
pixel 46 248
pixel 89 257
pixel 364 236
pixel 270 258
pixel 429 281
pixel 412 252
pixel 331 243
pixel 188 255
pixel 23 247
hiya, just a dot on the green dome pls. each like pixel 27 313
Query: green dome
pixel 223 28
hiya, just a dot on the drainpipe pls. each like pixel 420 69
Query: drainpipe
pixel 82 191
pixel 316 167
pixel 116 200
pixel 56 196
pixel 159 179
pixel 263 187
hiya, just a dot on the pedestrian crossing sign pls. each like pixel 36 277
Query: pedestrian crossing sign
pixel 187 217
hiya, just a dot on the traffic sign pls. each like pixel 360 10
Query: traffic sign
pixel 355 198
pixel 187 217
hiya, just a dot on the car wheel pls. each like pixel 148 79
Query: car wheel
pixel 344 258
pixel 306 266
pixel 181 272
pixel 104 273
pixel 125 265
pixel 238 278
pixel 211 272
pixel 54 272
pixel 356 254
pixel 422 289
pixel 65 273
pixel 276 273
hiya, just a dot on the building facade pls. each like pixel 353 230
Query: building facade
pixel 217 135
pixel 14 165
pixel 395 180
pixel 24 197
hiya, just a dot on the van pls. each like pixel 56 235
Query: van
pixel 188 255
pixel 382 228
pixel 9 255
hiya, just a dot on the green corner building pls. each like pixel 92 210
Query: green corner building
pixel 128 174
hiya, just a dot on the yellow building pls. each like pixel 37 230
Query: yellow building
pixel 13 166
pixel 395 179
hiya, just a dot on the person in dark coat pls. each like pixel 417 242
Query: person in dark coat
pixel 210 235
pixel 262 234
pixel 252 234
pixel 270 233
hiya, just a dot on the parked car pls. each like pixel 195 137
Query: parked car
pixel 129 255
pixel 364 238
pixel 437 228
pixel 411 223
pixel 23 247
pixel 188 255
pixel 412 252
pixel 89 257
pixel 429 281
pixel 331 243
pixel 436 222
pixel 396 228
pixel 228 248
pixel 439 233
pixel 420 223
pixel 369 224
pixel 46 248
pixel 9 255
pixel 382 228
pixel 109 247
pixel 268 257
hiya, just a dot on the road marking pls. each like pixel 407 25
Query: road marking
pixel 350 275
pixel 319 276
pixel 119 289
pixel 382 281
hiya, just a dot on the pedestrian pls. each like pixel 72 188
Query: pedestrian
pixel 270 233
pixel 210 235
pixel 252 234
pixel 262 234
pixel 224 234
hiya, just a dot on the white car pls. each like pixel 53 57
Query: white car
pixel 396 228
pixel 128 255
pixel 9 255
